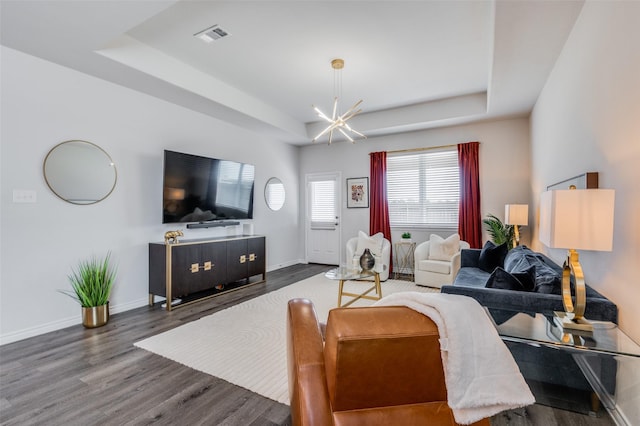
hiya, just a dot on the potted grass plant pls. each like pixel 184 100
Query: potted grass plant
pixel 91 284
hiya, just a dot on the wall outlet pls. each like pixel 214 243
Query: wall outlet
pixel 24 196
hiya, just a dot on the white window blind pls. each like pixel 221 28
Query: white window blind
pixel 323 204
pixel 423 189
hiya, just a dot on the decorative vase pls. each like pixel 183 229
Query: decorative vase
pixel 95 316
pixel 367 261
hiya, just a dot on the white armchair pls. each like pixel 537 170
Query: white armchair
pixel 432 269
pixel 352 246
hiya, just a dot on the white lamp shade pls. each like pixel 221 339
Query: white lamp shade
pixel 580 219
pixel 516 214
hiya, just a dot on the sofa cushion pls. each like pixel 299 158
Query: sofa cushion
pixel 437 266
pixel 443 248
pixel 471 277
pixel 492 256
pixel 373 243
pixel 519 281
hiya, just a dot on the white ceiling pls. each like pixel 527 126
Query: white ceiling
pixel 415 64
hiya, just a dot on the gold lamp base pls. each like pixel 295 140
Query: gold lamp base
pixel 572 320
pixel 571 325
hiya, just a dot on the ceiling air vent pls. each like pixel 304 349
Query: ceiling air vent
pixel 212 34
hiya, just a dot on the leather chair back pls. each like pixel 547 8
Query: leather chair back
pixel 391 348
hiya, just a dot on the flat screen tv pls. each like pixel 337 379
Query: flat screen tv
pixel 202 189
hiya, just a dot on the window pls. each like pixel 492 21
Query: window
pixel 423 189
pixel 323 205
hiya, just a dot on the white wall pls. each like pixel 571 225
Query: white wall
pixel 44 104
pixel 588 119
pixel 504 167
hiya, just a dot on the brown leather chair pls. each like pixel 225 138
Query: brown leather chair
pixel 377 366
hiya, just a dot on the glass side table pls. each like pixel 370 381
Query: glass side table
pixel 608 359
pixel 403 253
pixel 343 274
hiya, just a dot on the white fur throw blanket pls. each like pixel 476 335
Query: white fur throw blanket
pixel 480 373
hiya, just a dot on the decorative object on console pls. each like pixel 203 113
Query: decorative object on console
pixel 367 261
pixel 516 215
pixel 171 237
pixel 92 282
pixel 338 121
pixel 358 192
pixel 576 219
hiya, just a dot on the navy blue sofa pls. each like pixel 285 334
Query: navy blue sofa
pixel 472 280
pixel 542 365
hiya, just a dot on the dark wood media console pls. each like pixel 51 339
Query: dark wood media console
pixel 192 270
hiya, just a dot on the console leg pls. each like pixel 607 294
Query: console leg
pixel 595 402
pixel 151 299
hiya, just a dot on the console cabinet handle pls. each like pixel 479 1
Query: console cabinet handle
pixel 207 266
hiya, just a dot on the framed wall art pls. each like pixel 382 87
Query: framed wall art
pixel 358 192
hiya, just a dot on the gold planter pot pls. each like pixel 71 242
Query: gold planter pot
pixel 95 316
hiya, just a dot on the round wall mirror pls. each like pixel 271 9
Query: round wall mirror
pixel 274 193
pixel 80 172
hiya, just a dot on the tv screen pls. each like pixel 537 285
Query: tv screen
pixel 201 189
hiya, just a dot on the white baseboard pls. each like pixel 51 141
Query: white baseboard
pixel 26 333
pixel 15 336
pixel 284 265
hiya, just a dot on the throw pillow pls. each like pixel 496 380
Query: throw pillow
pixel 492 256
pixel 519 281
pixel 443 249
pixel 500 278
pixel 527 278
pixel 373 243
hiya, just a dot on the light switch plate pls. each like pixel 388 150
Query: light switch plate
pixel 24 196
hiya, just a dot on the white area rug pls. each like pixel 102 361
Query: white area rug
pixel 246 344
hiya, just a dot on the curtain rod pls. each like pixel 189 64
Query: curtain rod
pixel 421 149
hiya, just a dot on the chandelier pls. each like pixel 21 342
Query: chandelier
pixel 338 121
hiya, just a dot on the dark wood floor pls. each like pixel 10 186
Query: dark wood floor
pixel 83 377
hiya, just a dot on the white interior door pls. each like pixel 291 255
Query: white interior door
pixel 323 218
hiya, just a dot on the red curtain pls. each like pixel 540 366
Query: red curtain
pixel 469 220
pixel 379 206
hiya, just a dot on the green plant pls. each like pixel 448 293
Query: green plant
pixel 499 232
pixel 92 281
pixel 406 235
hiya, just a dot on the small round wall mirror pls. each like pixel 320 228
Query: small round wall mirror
pixel 80 172
pixel 274 194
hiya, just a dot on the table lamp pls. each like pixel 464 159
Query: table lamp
pixel 576 219
pixel 516 215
